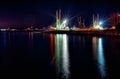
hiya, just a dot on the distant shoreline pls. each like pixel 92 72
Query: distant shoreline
pixel 91 33
pixel 112 33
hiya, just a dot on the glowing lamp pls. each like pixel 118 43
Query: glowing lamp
pixel 100 23
pixel 65 21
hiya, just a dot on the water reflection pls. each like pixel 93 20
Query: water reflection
pixel 95 47
pixel 30 35
pixel 99 55
pixel 4 40
pixel 60 54
pixel 101 59
pixel 30 40
pixel 52 44
pixel 65 56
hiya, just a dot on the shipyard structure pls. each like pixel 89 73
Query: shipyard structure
pixel 61 23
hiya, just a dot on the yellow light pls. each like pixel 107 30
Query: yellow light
pixel 99 27
pixel 113 27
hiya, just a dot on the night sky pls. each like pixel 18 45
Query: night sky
pixel 41 13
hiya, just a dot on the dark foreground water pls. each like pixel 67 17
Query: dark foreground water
pixel 29 55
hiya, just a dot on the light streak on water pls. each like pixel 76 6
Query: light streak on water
pixel 95 48
pixel 62 56
pixel 101 59
pixel 58 52
pixel 98 52
pixel 65 57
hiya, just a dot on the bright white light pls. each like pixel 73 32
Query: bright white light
pixel 101 22
pixel 3 29
pixel 65 21
pixel 99 27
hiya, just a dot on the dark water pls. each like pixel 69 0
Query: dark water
pixel 47 56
